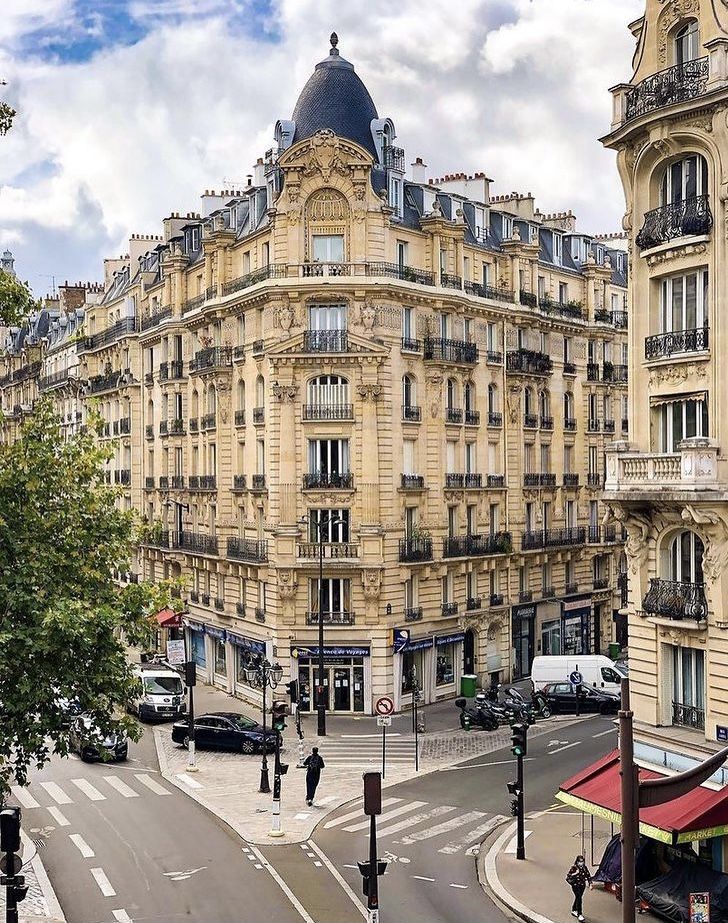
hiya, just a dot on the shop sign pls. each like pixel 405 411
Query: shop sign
pixel 175 652
pixel 400 639
pixel 299 650
pixel 699 907
pixel 419 644
pixel 450 639
pixel 577 604
pixel 194 626
pixel 524 612
pixel 249 644
pixel 213 632
pixel 721 732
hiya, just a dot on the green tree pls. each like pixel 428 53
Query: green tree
pixel 16 300
pixel 63 621
pixel 7 114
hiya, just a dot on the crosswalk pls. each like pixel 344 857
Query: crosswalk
pixel 406 823
pixel 50 795
pixel 366 750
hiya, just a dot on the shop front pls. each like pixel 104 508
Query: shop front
pixel 346 685
pixel 244 652
pixel 196 648
pixel 218 659
pixel 433 664
pixel 576 628
pixel 523 628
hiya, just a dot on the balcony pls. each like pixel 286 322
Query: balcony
pixel 495 480
pixel 258 482
pixel 449 608
pixel 448 280
pixel 525 596
pixel 571 480
pixel 325 341
pixel 258 347
pixel 124 426
pixel 602 316
pixel 53 380
pixel 410 346
pixel 194 542
pixel 324 480
pixel 151 320
pixel 528 362
pixel 413 614
pixel 148 483
pixel 530 421
pixel 175 369
pixel 693 468
pixel 272 271
pixel 472 417
pixel 494 357
pixel 473 603
pixel 240 608
pixel 495 418
pixel 327 412
pixel 489 291
pixel 177 427
pixel 109 335
pixel 330 551
pixel 600 583
pixel 178 482
pixel 163 428
pixel 664 345
pixel 412 482
pixel 689 716
pixel 569 368
pixel 553 538
pixel 592 371
pixel 454 481
pixel 331 618
pixel 571 589
pixel 213 357
pixel 594 479
pixel 548 592
pixel 620 320
pixel 246 549
pixel 100 383
pixel 609 426
pixel 547 479
pixel 531 479
pixel 689 218
pixel 164 482
pixel 674 600
pixel 415 550
pixel 673 85
pixel 401 272
pixel 163 371
pixel 529 299
pixel 219 604
pixel 546 422
pixel 443 350
pixel 203 482
pixel 453 415
pixel 239 351
pixel 258 414
pixel 239 482
pixel 194 425
pixel 259 614
pixel 496 599
pixel 149 379
pixel 393 158
pixel 240 418
pixel 209 421
pixel 192 303
pixel 592 425
pixel 465 546
pixel 411 413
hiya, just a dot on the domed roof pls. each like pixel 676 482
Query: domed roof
pixel 335 98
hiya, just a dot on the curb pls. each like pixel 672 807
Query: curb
pixel 49 894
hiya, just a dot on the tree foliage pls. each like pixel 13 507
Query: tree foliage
pixel 16 300
pixel 63 621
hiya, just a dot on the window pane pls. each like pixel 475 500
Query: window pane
pixel 677 304
pixel 691 296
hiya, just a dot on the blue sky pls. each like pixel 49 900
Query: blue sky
pixel 129 109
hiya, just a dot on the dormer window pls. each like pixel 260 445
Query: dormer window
pixel 558 250
pixel 507 227
pixel 599 256
pixel 687 43
pixel 533 233
pixel 395 195
pixel 194 240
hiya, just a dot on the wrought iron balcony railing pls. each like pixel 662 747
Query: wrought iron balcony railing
pixel 569 368
pixel 663 345
pixel 247 549
pixel 258 482
pixel 410 345
pixel 412 482
pixel 151 320
pixel 412 550
pixel 594 479
pixel 213 357
pixel 601 583
pixel 402 272
pixel 272 271
pixel 240 482
pixel 553 538
pixel 495 480
pixel 178 482
pixel 673 85
pixel 495 418
pixel 110 334
pixel 413 614
pixel 525 596
pixel 448 280
pixel 454 414
pixel 323 480
pixel 472 417
pixel 258 414
pixel 489 291
pixel 496 599
pixel 592 371
pixel 460 546
pixel 325 341
pixel 530 420
pixel 676 600
pixel 473 603
pixel 689 716
pixel 546 422
pixel 411 413
pixel 449 608
pixel 331 618
pixel 393 158
pixel 679 219
pixel 328 412
pixel 194 542
pixel 528 362
pixel 492 355
pixel 571 480
pixel 240 418
pixel 444 350
pixel 177 427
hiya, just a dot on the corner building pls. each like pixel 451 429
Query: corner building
pixel 669 483
pixel 429 372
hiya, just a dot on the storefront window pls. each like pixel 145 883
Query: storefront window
pixel 220 664
pixel 445 668
pixel 551 637
pixel 412 659
pixel 246 658
pixel 197 640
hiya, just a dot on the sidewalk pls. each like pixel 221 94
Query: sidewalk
pixel 40 904
pixel 534 889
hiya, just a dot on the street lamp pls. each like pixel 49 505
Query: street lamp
pixel 263 675
pixel 320 521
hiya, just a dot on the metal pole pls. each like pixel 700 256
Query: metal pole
pixel 264 780
pixel 630 813
pixel 191 731
pixel 520 834
pixel 576 692
pixel 373 896
pixel 321 709
pixel 415 696
pixel 384 748
pixel 276 829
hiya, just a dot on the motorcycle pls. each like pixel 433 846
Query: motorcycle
pixel 539 704
pixel 478 715
pixel 512 709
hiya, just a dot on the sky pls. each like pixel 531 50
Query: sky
pixel 129 109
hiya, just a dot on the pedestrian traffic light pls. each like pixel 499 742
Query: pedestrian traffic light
pixel 514 807
pixel 519 738
pixel 293 690
pixel 10 829
pixel 279 712
pixel 364 868
pixel 513 788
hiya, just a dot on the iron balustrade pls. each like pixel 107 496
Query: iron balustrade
pixel 178 482
pixel 439 349
pixel 569 368
pixel 125 426
pixel 525 596
pixel 240 482
pixel 594 535
pixel 163 428
pixel 472 417
pixel 148 483
pixel 327 480
pixel 258 482
pixel 415 549
pixel 473 603
pixel 553 538
pixel 592 371
pixel 412 482
pixel 495 480
pixel 259 614
pixel 401 272
pixel 197 543
pixel 163 371
pixel 530 420
pixel 123 476
pixel 546 422
pixel 149 378
pixel 673 599
pixel 454 480
pixel 239 352
pixel 103 382
pixel 459 546
pixel 177 427
pixel 531 479
pixel 213 357
pixel 495 418
pixel 176 368
pixel 272 271
pixel 571 480
pixel 393 158
pixel 149 430
pixel 328 412
pixel 195 302
pixel 663 345
pixel 594 479
pixel 240 418
pixel 164 482
pixel 331 618
pixel 410 345
pixel 413 614
pixel 205 599
pixel 548 592
pixel 454 414
pixel 674 84
pixel 547 479
pixel 411 413
pixel 690 716
pixel 240 607
pixel 609 426
pixel 330 551
pixel 688 218
pixel 258 347
pixel 494 356
pixel 194 424
pixel 449 608
pixel 620 320
pixel 592 426
pixel 51 381
pixel 208 482
pixel 473 481
pixel 448 280
pixel 528 298
pixel 620 373
pixel 219 604
pixel 209 421
pixel 152 319
pixel 601 583
pixel 602 316
pixel 325 341
pixel 571 589
pixel 496 599
pixel 109 335
pixel 247 549
pixel 528 362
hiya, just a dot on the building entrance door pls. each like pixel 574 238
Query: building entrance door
pixel 342 688
pixel 343 685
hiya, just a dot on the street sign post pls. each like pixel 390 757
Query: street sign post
pixel 384 721
pixel 384 705
pixel 576 680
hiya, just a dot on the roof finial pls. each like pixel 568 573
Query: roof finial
pixel 334 39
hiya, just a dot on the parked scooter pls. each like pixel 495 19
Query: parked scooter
pixel 479 715
pixel 512 708
pixel 537 706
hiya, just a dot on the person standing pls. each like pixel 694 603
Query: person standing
pixel 314 764
pixel 578 877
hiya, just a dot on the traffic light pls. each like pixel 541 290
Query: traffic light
pixel 190 674
pixel 513 788
pixel 279 712
pixel 293 690
pixel 364 869
pixel 10 829
pixel 519 739
pixel 514 807
pixel 372 793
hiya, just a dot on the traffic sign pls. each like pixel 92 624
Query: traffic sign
pixel 575 678
pixel 384 705
pixel 384 721
pixel 17 864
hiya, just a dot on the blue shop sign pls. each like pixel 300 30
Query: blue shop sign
pixel 250 644
pixel 721 732
pixel 300 650
pixel 419 644
pixel 213 632
pixel 450 639
pixel 194 626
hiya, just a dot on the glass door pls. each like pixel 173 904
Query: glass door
pixel 358 688
pixel 318 694
pixel 342 688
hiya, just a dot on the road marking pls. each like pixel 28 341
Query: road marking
pixel 368 736
pixel 185 873
pixel 303 913
pixel 352 814
pixel 567 747
pixel 422 878
pixel 103 882
pixel 82 845
pixel 89 790
pixel 318 864
pixel 151 784
pixel 383 818
pixel 56 793
pixel 122 916
pixel 121 787
pixel 59 818
pixel 453 885
pixel 258 865
pixel 301 816
pixel 340 878
pixel 416 819
pixel 526 759
pixel 445 827
pixel 602 733
pixel 188 780
pixel 476 833
pixel 23 796
pixel 351 867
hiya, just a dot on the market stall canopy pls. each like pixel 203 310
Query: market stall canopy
pixel 168 618
pixel 698 815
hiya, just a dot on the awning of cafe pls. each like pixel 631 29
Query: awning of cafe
pixel 168 618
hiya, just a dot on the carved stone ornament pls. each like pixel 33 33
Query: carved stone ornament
pixel 639 528
pixel 371 583
pixel 513 402
pixel 713 531
pixel 285 317
pixel 434 395
pixel 677 374
pixel 493 629
pixel 325 156
pixel 673 12
pixel 368 314
pixel 287 584
pixel 369 392
pixel 656 259
pixel 222 388
pixel 286 394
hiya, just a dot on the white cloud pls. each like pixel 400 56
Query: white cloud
pixel 108 146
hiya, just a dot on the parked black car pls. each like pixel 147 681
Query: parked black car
pixel 223 730
pixel 85 739
pixel 562 698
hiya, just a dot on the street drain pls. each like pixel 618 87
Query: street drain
pixel 39 843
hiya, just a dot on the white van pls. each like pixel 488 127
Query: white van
pixel 596 670
pixel 162 695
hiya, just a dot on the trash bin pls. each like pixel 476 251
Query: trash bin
pixel 467 685
pixel 614 651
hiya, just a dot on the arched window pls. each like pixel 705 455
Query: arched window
pixel 195 412
pixel 469 397
pixel 260 391
pixel 409 391
pixel 528 400
pixel 150 413
pixel 544 404
pixel 684 179
pixel 328 391
pixel 687 43
pixel 686 558
pixel 568 405
pixel 451 394
pixel 492 398
pixel 240 394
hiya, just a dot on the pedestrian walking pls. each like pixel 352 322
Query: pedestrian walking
pixel 578 877
pixel 314 764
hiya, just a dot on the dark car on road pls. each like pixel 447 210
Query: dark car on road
pixel 85 739
pixel 562 698
pixel 223 730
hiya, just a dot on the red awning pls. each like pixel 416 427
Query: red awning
pixel 168 618
pixel 698 815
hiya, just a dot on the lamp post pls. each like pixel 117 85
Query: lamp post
pixel 320 521
pixel 264 675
